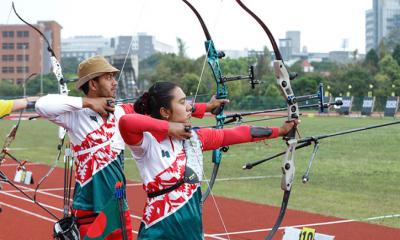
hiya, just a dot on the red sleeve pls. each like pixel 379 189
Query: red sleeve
pixel 199 110
pixel 216 138
pixel 128 108
pixel 132 127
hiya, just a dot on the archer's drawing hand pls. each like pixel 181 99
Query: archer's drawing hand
pixel 101 105
pixel 180 131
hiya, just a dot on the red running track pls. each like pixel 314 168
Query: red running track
pixel 21 219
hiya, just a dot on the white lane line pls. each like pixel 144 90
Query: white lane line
pixel 214 237
pixel 30 201
pixel 27 212
pixel 16 164
pixel 43 190
pixel 39 191
pixel 311 224
pixel 36 215
pixel 52 195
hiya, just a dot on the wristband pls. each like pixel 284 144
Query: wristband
pixel 30 105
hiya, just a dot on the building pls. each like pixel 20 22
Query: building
pixel 121 44
pixel 143 45
pixel 295 37
pixel 128 77
pixel 285 47
pixel 148 45
pixel 24 52
pixel 307 67
pixel 380 21
pixel 235 54
pixel 82 47
pixel 340 56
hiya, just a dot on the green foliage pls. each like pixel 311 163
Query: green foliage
pixel 307 83
pixel 9 89
pixel 190 82
pixel 388 75
pixel 263 63
pixel 181 47
pixel 297 67
pixel 50 85
pixel 371 61
pixel 355 75
pixel 69 65
pixel 396 53
pixel 324 66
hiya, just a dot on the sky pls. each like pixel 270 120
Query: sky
pixel 323 23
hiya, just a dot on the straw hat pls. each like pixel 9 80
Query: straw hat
pixel 93 67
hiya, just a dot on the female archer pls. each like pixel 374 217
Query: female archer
pixel 171 168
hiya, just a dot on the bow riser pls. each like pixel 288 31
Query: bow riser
pixel 288 166
pixel 213 62
pixel 58 73
pixel 283 80
pixel 62 87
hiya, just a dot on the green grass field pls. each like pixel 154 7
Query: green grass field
pixel 353 176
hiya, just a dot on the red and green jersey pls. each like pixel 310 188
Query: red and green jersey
pixel 97 146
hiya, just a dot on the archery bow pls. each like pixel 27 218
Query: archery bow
pixel 213 57
pixel 63 90
pixel 283 80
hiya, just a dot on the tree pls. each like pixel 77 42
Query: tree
pixel 70 65
pixel 181 47
pixel 396 53
pixel 263 63
pixel 9 89
pixel 189 84
pixel 324 66
pixel 389 74
pixel 382 49
pixel 307 83
pixel 353 74
pixel 50 85
pixel 371 61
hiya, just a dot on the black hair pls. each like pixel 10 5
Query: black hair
pixel 85 87
pixel 158 96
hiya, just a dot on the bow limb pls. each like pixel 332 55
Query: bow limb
pixel 10 138
pixel 63 89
